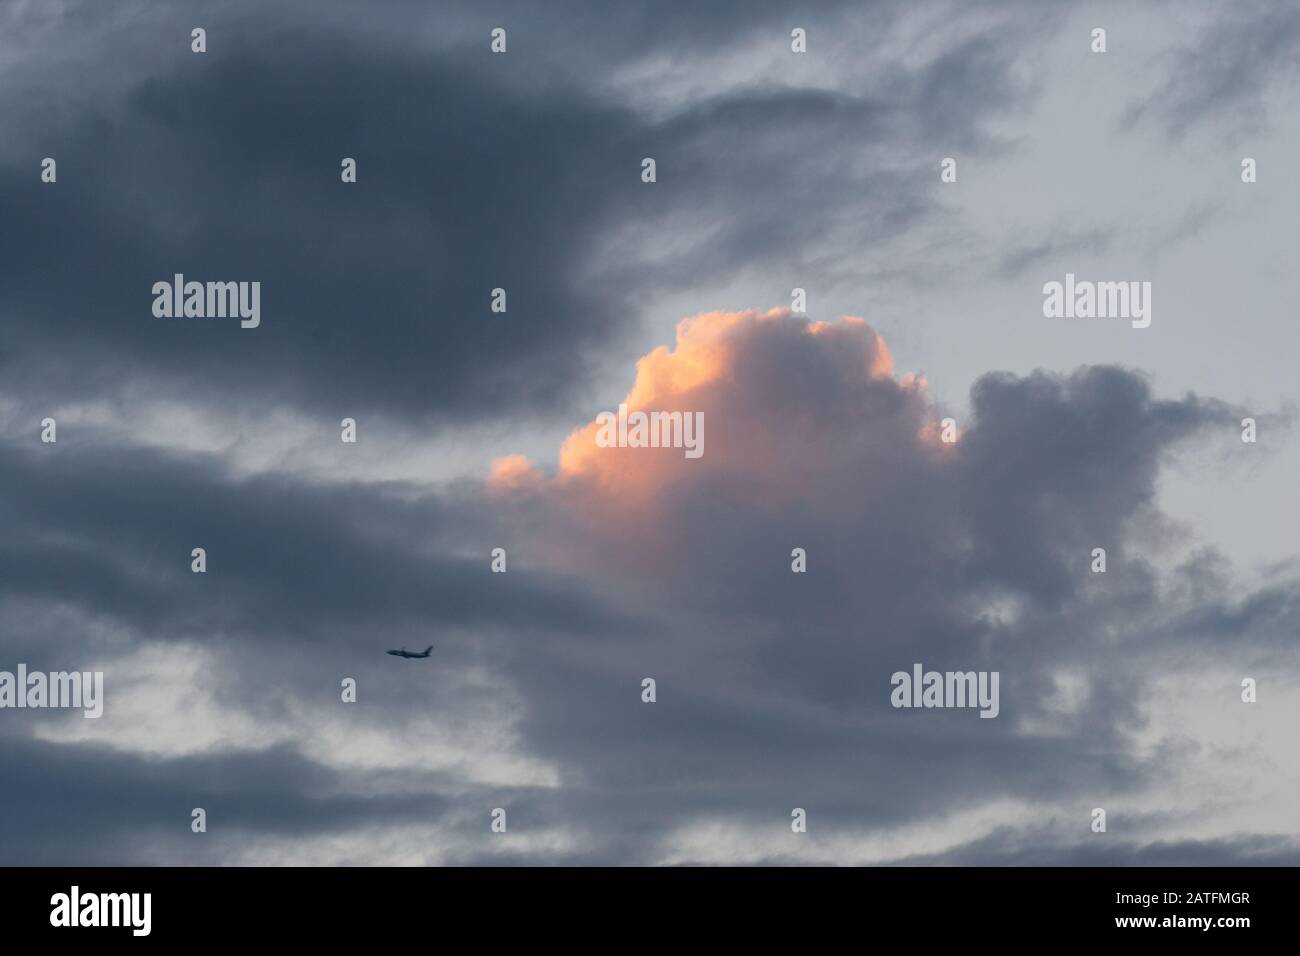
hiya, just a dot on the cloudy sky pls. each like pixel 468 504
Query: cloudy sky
pixel 775 170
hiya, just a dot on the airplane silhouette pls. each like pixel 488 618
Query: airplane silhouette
pixel 409 654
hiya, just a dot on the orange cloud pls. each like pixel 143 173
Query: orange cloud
pixel 513 473
pixel 785 403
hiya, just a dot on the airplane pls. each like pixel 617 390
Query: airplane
pixel 411 654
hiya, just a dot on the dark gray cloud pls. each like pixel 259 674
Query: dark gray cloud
pixel 101 808
pixel 310 563
pixel 226 167
pixel 376 296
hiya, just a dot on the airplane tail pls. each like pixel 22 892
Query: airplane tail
pixel 428 650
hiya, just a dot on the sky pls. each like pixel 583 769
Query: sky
pixel 478 430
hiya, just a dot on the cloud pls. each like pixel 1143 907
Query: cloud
pixel 522 172
pixel 475 173
pixel 1238 60
pixel 732 368
pixel 773 687
pixel 970 556
pixel 374 296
